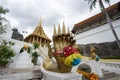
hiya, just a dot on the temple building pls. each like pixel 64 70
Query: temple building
pixel 96 28
pixel 38 36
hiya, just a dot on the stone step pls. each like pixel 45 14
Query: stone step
pixel 110 75
pixel 114 78
pixel 35 79
pixel 20 74
pixel 105 71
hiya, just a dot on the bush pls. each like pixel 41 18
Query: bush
pixel 6 52
pixel 34 53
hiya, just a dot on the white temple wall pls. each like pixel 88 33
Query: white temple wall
pixel 99 34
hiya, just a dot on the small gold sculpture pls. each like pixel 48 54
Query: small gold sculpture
pixel 93 52
pixel 60 41
pixel 25 46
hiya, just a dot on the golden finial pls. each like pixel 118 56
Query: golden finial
pixel 68 31
pixel 63 29
pixel 40 23
pixel 54 30
pixel 71 34
pixel 59 30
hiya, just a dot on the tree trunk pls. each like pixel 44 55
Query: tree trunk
pixel 109 22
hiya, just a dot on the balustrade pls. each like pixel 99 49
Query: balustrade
pixel 109 66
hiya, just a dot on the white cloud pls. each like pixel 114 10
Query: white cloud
pixel 14 22
pixel 25 14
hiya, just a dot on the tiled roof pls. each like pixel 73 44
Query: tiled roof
pixel 97 16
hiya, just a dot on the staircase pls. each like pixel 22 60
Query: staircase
pixel 110 75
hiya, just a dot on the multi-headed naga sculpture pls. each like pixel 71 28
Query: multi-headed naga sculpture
pixel 65 52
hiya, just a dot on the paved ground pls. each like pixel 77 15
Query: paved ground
pixel 19 69
pixel 107 75
pixel 110 76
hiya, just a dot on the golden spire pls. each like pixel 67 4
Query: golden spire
pixel 54 30
pixel 59 30
pixel 40 23
pixel 71 34
pixel 63 29
pixel 68 31
pixel 39 32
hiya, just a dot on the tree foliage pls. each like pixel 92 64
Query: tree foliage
pixel 2 27
pixel 93 3
pixel 3 10
pixel 6 52
pixel 34 53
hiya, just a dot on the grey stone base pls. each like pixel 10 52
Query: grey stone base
pixel 20 74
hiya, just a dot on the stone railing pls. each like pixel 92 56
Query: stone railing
pixel 110 66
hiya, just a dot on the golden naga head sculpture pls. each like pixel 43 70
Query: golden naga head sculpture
pixel 62 38
pixel 65 52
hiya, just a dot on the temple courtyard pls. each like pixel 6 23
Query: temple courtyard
pixel 87 52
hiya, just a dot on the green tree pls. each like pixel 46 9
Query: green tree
pixel 93 4
pixel 2 11
pixel 6 52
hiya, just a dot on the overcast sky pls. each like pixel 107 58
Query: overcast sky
pixel 26 14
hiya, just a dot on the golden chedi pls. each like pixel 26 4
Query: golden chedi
pixel 65 54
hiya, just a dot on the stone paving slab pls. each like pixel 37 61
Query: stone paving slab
pixel 20 74
pixel 107 75
pixel 20 69
pixel 112 76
